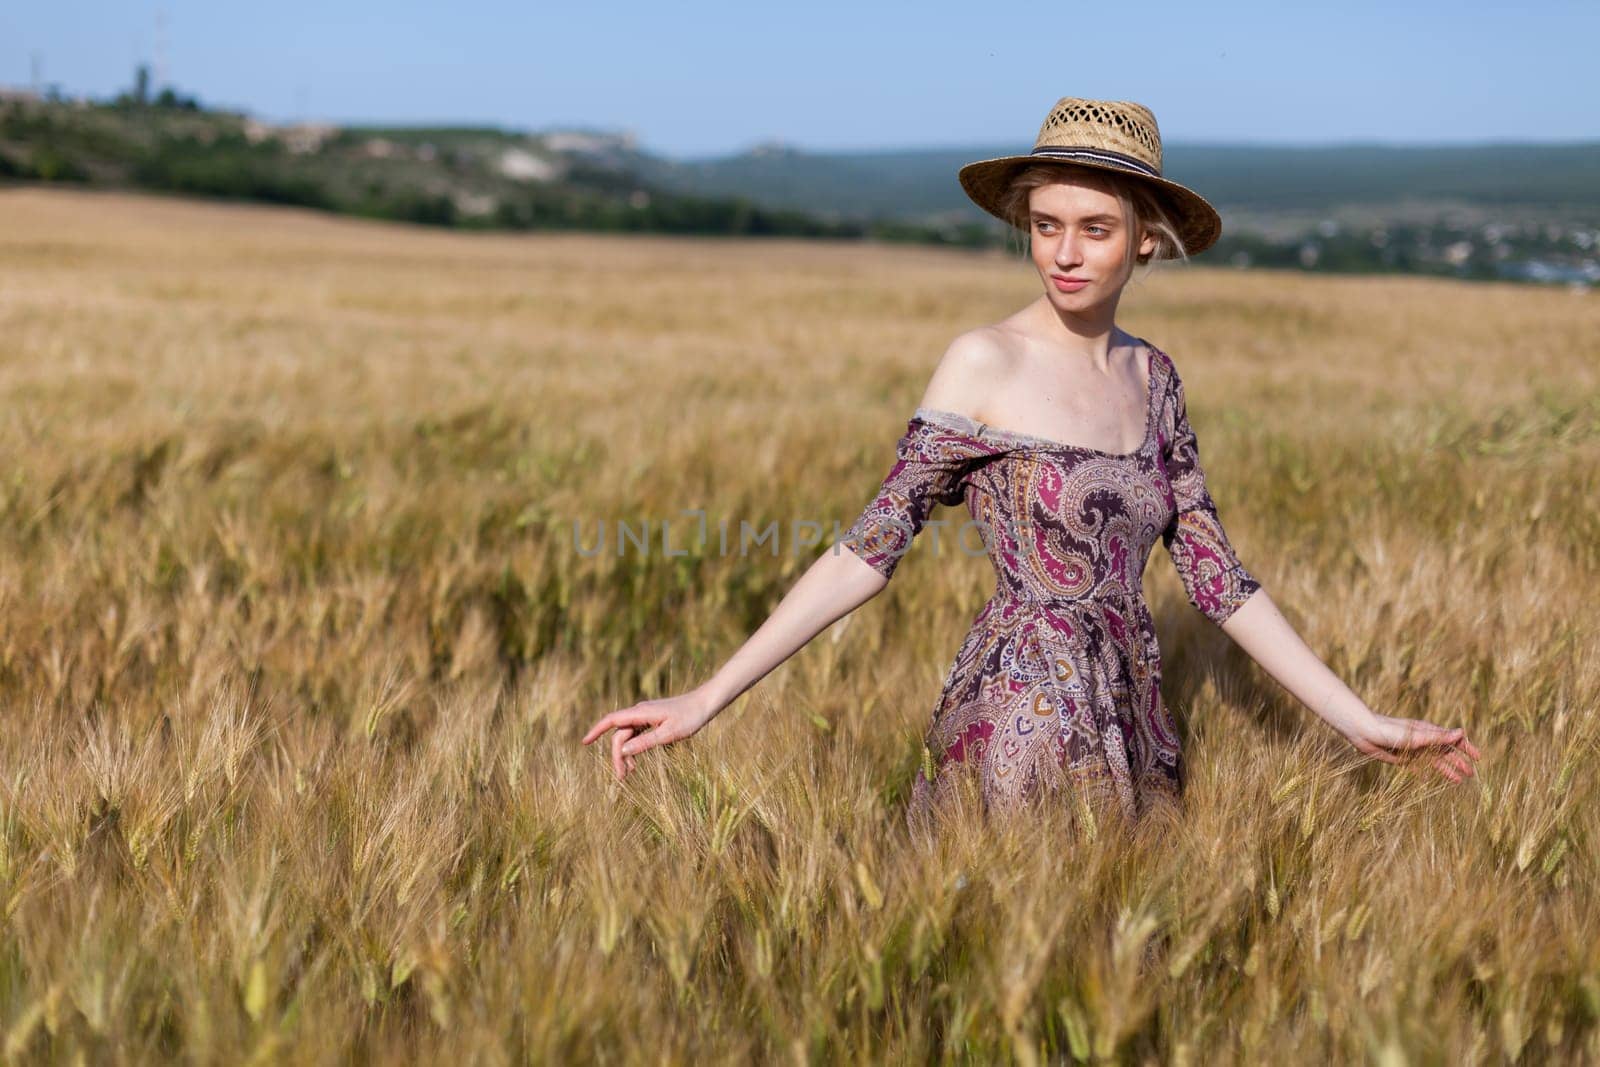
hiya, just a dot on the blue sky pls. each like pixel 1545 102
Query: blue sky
pixel 701 78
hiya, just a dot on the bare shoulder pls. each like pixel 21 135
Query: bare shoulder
pixel 970 365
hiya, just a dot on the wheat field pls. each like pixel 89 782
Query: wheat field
pixel 298 644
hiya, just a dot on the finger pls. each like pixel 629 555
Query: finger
pixel 606 722
pixel 1462 753
pixel 625 717
pixel 1428 733
pixel 619 739
pixel 647 740
pixel 601 725
pixel 1420 734
pixel 1446 770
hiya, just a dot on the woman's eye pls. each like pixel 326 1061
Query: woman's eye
pixel 1102 229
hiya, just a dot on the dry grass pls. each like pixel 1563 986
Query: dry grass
pixel 297 649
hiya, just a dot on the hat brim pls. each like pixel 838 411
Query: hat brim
pixel 1199 225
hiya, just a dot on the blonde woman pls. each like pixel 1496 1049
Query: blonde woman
pixel 1069 442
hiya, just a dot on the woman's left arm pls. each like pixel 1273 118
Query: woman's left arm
pixel 1258 627
pixel 1228 594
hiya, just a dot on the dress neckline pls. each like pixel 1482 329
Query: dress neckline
pixel 966 424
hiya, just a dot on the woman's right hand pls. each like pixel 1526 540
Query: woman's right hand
pixel 664 721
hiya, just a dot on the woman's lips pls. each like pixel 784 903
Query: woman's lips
pixel 1069 285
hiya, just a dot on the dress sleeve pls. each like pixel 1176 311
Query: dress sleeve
pixel 1216 583
pixel 930 464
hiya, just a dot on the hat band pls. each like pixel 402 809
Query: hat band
pixel 1098 155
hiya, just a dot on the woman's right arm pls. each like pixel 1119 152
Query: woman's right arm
pixel 837 583
pixel 847 575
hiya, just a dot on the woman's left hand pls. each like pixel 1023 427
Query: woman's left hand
pixel 1380 733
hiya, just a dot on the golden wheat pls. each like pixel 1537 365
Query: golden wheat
pixel 298 645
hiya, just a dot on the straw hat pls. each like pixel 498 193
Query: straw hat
pixel 1116 135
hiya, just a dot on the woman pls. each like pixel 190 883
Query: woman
pixel 1057 684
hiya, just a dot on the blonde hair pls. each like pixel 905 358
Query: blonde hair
pixel 1143 208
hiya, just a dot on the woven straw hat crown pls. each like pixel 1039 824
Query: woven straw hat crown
pixel 1112 135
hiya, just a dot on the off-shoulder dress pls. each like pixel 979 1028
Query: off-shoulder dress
pixel 1055 691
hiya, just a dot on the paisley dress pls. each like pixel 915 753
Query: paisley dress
pixel 1055 691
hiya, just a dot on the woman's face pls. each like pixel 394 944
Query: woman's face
pixel 1078 232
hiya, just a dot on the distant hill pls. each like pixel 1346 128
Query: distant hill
pixel 1485 211
pixel 470 177
pixel 1244 178
pixel 1489 211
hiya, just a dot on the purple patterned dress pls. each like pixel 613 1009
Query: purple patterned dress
pixel 1057 684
